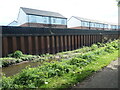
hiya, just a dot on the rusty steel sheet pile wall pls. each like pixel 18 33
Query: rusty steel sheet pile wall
pixel 31 40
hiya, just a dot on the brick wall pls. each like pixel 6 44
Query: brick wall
pixel 43 25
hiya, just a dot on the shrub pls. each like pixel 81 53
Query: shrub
pixel 94 47
pixel 16 54
pixel 109 49
pixel 6 82
pixel 77 62
pixel 8 61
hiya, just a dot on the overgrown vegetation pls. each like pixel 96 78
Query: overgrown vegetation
pixel 18 56
pixel 64 72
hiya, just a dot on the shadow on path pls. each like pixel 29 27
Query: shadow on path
pixel 106 78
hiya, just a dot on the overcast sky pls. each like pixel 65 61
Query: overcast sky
pixel 102 10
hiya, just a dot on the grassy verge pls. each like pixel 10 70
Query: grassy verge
pixel 65 72
pixel 68 80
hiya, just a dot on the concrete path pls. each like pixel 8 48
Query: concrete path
pixel 106 78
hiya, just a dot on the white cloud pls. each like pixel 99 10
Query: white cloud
pixel 105 10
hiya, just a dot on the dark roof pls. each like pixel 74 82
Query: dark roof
pixel 91 20
pixel 30 11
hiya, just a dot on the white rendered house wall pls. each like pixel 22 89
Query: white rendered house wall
pixel 73 22
pixel 22 17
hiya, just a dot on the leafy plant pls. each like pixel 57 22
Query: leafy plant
pixel 94 47
pixel 16 54
pixel 71 70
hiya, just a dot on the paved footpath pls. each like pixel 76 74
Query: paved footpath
pixel 106 78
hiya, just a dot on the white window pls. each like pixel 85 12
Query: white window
pixel 101 25
pixel 92 24
pixel 32 18
pixel 105 26
pixel 54 20
pixel 63 21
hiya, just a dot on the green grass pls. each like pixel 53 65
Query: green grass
pixel 69 80
pixel 65 72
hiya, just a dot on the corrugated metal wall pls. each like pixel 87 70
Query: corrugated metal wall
pixel 44 40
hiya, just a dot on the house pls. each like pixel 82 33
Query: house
pixel 39 18
pixel 13 23
pixel 84 23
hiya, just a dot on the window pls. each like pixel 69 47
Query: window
pixel 101 25
pixel 63 21
pixel 38 19
pixel 44 19
pixel 53 20
pixel 87 24
pixel 105 26
pixel 97 25
pixel 58 21
pixel 32 18
pixel 118 27
pixel 92 24
pixel 113 27
pixel 84 23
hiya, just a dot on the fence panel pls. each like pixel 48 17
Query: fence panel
pixel 40 40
